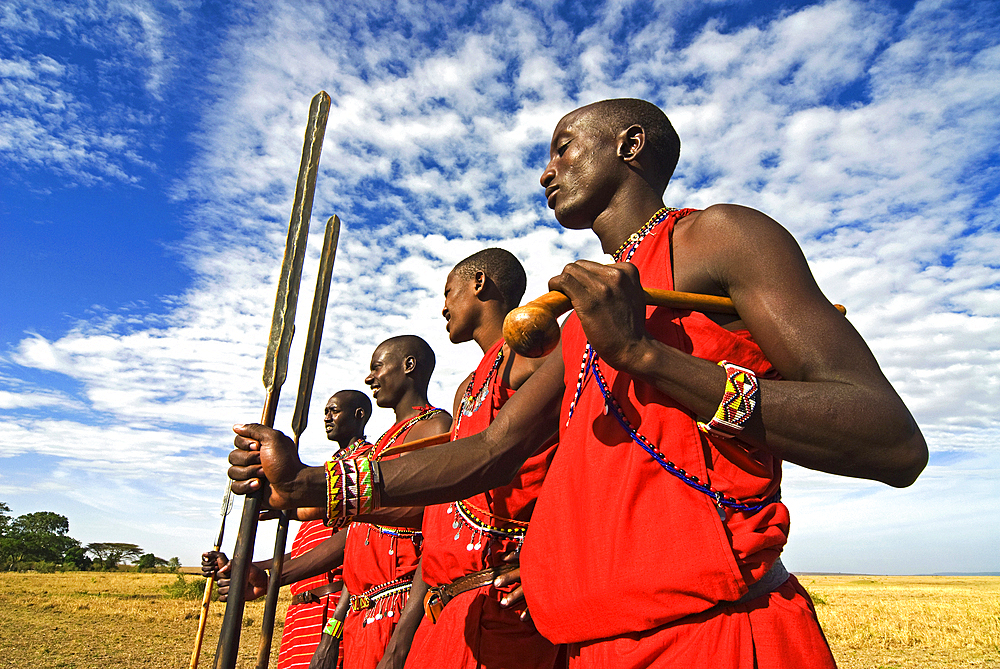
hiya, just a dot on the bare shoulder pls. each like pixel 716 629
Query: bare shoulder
pixel 723 225
pixel 519 369
pixel 727 247
pixel 438 424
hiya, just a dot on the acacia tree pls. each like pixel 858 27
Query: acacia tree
pixel 110 554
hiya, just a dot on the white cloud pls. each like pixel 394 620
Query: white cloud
pixel 433 150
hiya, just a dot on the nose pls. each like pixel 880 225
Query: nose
pixel 444 311
pixel 547 175
pixel 370 379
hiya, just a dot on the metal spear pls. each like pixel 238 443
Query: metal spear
pixel 275 365
pixel 299 419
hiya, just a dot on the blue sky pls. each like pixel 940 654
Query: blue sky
pixel 148 152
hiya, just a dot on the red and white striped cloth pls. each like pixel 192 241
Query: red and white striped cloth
pixel 304 622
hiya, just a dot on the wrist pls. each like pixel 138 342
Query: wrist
pixel 308 488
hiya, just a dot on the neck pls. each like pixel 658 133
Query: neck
pixel 346 441
pixel 624 215
pixel 490 329
pixel 412 398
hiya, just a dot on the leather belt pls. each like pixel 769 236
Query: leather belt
pixel 315 596
pixel 437 598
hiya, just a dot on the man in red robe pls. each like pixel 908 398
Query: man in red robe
pixel 381 559
pixel 468 544
pixel 313 567
pixel 672 423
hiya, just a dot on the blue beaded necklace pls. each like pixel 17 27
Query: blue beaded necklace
pixel 589 365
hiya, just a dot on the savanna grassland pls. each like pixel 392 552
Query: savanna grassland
pixel 119 620
pixel 93 620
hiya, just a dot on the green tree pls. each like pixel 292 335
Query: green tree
pixel 174 564
pixel 34 537
pixel 77 557
pixel 111 554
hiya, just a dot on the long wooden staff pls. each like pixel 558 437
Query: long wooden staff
pixel 532 331
pixel 299 420
pixel 206 600
pixel 275 366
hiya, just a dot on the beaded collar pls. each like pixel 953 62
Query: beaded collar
pixel 427 411
pixel 471 402
pixel 354 448
pixel 463 512
pixel 632 243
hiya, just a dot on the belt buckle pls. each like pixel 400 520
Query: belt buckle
pixel 433 604
pixel 360 603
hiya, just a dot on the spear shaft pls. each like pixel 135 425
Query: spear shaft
pixel 314 339
pixel 275 365
pixel 206 600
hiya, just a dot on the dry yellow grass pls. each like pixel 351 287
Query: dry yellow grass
pixel 89 620
pixel 903 622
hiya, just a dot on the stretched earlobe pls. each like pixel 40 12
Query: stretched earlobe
pixel 480 282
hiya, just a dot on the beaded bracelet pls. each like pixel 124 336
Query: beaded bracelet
pixel 334 628
pixel 351 489
pixel 738 402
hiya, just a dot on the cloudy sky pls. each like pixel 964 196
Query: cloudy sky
pixel 148 152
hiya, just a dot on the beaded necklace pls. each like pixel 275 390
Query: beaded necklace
pixel 396 533
pixel 464 516
pixel 470 403
pixel 636 237
pixel 590 365
pixel 355 448
pixel 427 411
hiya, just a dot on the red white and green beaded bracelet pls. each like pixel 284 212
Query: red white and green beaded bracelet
pixel 351 489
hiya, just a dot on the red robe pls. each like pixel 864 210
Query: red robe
pixel 374 555
pixel 304 622
pixel 473 629
pixel 639 554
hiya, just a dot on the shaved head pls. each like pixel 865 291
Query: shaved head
pixel 612 117
pixel 352 400
pixel 413 346
pixel 502 268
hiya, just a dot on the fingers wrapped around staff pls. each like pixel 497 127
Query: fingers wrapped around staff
pixel 610 303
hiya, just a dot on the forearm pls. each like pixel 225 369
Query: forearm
pixel 319 560
pixel 410 517
pixel 852 425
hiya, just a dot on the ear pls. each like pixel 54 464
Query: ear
pixel 359 414
pixel 631 143
pixel 480 282
pixel 409 364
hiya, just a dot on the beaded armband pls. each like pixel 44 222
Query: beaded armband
pixel 334 628
pixel 738 402
pixel 351 489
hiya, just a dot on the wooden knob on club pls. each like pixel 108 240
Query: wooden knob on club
pixel 532 330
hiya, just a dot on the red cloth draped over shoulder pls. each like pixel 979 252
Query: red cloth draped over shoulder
pixel 373 556
pixel 304 622
pixel 474 630
pixel 618 546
